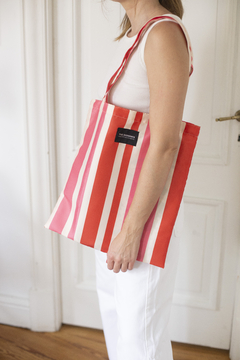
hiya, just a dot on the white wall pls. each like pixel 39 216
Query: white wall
pixel 15 232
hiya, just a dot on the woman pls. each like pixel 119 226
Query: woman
pixel 135 297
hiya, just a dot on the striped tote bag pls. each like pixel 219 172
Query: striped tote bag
pixel 102 181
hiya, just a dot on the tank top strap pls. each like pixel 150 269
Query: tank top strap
pixel 173 18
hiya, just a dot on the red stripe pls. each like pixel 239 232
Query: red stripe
pixel 192 129
pixel 102 178
pixel 119 188
pixel 174 198
pixel 64 209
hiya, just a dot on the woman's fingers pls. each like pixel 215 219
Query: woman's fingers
pixel 124 267
pixel 117 266
pixel 110 264
pixel 130 265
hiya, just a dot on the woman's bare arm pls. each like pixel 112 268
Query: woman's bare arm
pixel 167 63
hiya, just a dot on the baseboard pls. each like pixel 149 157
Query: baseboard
pixel 14 311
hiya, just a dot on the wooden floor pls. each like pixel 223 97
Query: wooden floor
pixel 77 343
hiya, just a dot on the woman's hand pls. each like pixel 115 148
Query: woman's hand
pixel 123 250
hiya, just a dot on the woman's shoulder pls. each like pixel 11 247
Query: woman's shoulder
pixel 169 26
pixel 165 34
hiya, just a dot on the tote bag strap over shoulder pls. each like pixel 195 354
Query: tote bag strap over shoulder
pixel 141 33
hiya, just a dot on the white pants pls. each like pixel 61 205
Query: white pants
pixel 135 305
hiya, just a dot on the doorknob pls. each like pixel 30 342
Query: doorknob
pixel 235 117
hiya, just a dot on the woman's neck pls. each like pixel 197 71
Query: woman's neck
pixel 140 11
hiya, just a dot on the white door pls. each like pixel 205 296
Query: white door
pixel 205 288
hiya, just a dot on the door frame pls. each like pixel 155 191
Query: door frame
pixel 235 345
pixel 36 29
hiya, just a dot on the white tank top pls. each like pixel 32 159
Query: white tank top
pixel 131 90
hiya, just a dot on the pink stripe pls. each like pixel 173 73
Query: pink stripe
pixel 64 209
pixel 86 173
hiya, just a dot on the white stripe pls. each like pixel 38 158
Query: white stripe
pixel 92 174
pixel 129 177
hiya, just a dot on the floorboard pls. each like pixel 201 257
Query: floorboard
pixel 74 342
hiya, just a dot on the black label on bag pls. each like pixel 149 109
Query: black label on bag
pixel 127 136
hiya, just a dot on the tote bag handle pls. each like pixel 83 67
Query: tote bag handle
pixel 119 71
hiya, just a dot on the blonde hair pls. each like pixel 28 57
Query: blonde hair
pixel 174 6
